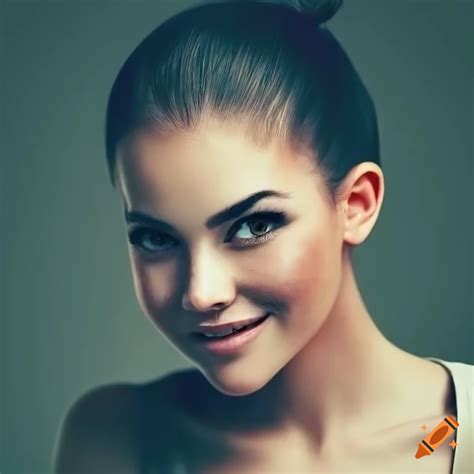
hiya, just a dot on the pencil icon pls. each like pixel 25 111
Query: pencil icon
pixel 437 437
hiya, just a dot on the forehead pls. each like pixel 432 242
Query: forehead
pixel 218 161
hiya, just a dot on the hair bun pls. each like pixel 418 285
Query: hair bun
pixel 320 11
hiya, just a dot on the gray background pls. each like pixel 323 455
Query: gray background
pixel 70 319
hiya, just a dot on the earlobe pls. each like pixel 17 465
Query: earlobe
pixel 352 228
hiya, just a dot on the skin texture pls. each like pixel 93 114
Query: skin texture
pixel 321 375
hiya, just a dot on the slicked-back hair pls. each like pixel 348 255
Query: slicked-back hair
pixel 267 66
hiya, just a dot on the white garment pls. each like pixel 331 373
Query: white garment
pixel 463 379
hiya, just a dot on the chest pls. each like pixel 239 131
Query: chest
pixel 182 441
pixel 190 449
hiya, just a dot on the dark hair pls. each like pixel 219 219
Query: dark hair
pixel 270 65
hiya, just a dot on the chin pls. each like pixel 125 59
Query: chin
pixel 234 386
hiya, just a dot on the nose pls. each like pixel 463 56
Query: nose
pixel 210 287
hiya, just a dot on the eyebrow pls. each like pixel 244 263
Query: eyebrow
pixel 231 212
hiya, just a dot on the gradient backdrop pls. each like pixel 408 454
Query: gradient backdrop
pixel 69 317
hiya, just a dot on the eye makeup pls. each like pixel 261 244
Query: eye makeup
pixel 273 218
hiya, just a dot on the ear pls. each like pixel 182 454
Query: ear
pixel 361 195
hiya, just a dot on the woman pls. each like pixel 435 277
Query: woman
pixel 245 149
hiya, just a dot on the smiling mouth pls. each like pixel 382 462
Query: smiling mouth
pixel 202 336
pixel 220 329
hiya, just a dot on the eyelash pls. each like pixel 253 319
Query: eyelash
pixel 276 218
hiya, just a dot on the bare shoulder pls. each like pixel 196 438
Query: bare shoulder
pixel 175 395
pixel 106 429
pixel 101 431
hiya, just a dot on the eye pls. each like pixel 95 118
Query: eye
pixel 257 224
pixel 141 235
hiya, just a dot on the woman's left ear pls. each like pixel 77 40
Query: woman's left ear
pixel 362 193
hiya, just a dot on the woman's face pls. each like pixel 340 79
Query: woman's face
pixel 182 269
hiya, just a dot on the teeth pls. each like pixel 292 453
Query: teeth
pixel 223 333
pixel 239 327
pixel 226 332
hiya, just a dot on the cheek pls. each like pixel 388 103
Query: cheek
pixel 314 269
pixel 153 285
pixel 302 278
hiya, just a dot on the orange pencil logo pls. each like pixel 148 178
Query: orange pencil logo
pixel 437 437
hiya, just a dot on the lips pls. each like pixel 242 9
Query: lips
pixel 234 343
pixel 217 329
